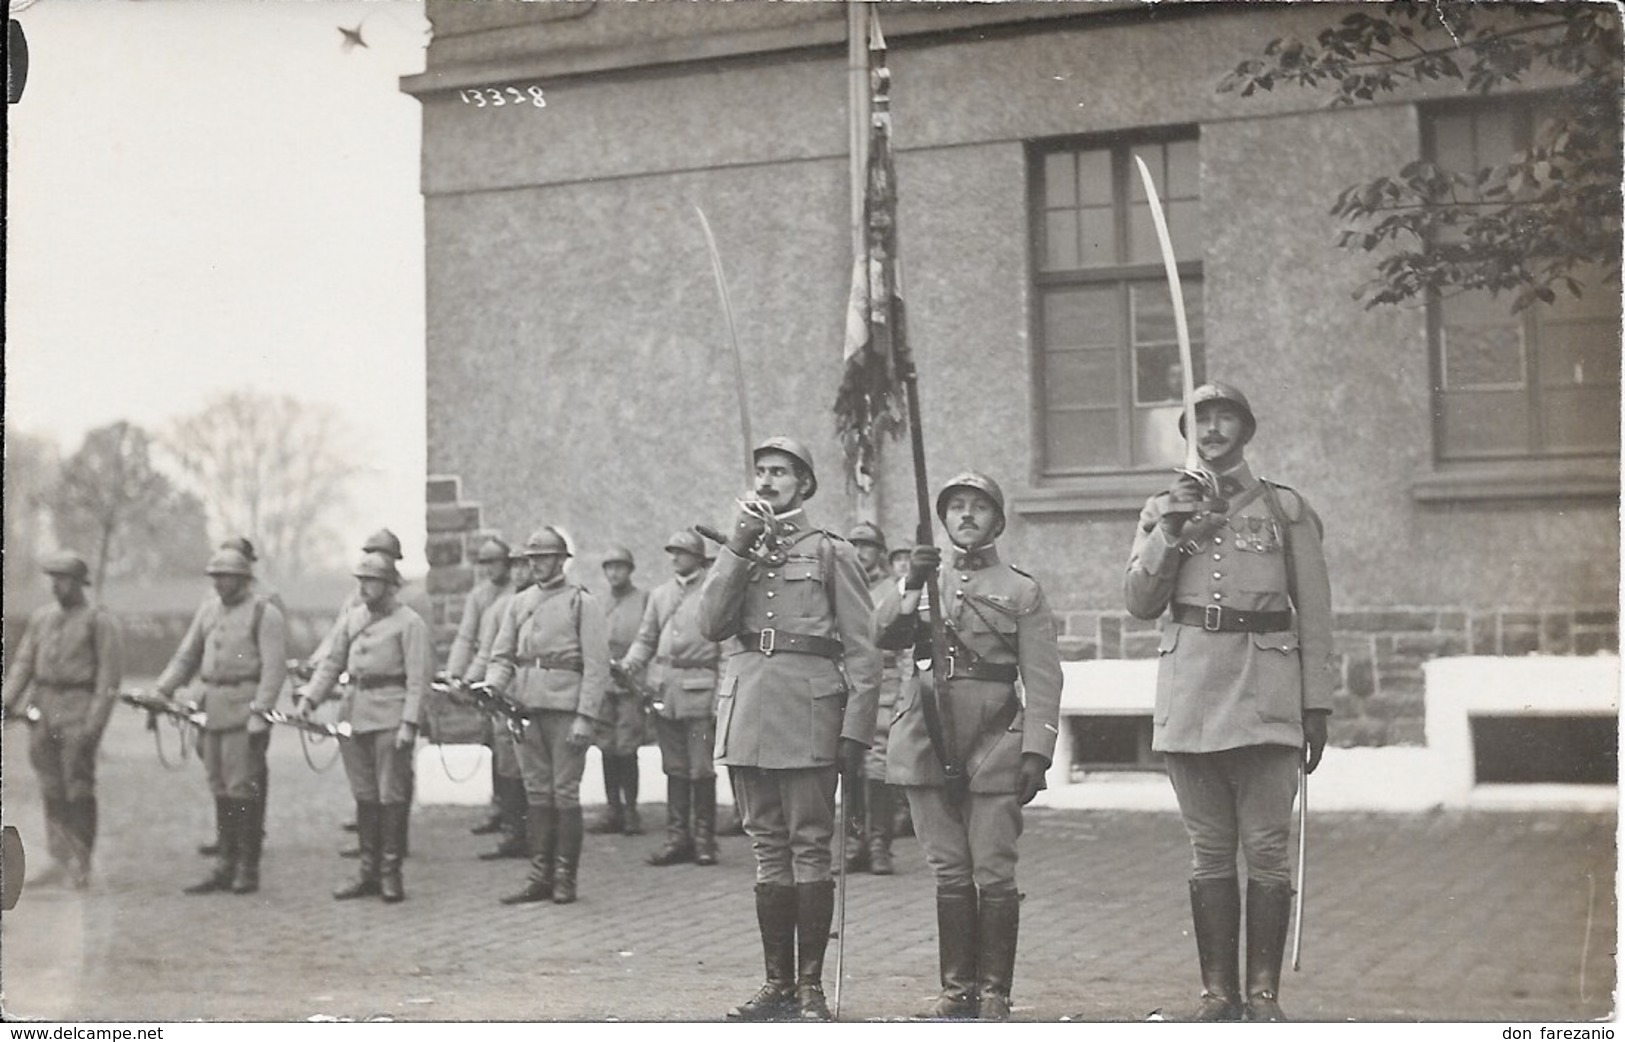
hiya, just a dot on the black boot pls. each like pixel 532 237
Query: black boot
pixel 542 829
pixel 614 819
pixel 511 802
pixel 250 841
pixel 998 916
pixel 569 859
pixel 225 865
pixel 776 913
pixel 1216 916
pixel 1269 911
pixel 679 843
pixel 369 833
pixel 704 791
pixel 392 835
pixel 881 822
pixel 629 794
pixel 815 910
pixel 956 954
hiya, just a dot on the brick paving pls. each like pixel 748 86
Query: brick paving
pixel 1438 917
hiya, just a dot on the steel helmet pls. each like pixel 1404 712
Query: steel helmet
pixel 973 480
pixel 70 564
pixel 493 551
pixel 377 565
pixel 621 555
pixel 793 448
pixel 867 532
pixel 546 540
pixel 229 562
pixel 383 541
pixel 242 546
pixel 1222 392
pixel 688 541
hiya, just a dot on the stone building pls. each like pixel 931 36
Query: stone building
pixel 1466 462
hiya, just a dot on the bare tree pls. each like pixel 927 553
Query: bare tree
pixel 31 469
pixel 111 502
pixel 270 467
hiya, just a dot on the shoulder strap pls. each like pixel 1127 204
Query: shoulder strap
pixel 826 565
pixel 1274 503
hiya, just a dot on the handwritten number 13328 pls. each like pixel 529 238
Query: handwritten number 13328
pixel 496 97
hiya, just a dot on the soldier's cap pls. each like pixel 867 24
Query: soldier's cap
pixel 867 532
pixel 793 448
pixel 69 564
pixel 619 555
pixel 1215 391
pixel 241 545
pixel 493 551
pixel 376 565
pixel 688 541
pixel 383 541
pixel 971 479
pixel 546 540
pixel 226 561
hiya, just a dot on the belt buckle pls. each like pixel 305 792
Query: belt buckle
pixel 767 640
pixel 1212 617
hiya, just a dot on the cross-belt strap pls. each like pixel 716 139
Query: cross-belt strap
pixel 1218 619
pixel 770 640
pixel 989 735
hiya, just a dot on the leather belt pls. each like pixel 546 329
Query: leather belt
pixel 683 663
pixel 1216 618
pixel 231 681
pixel 569 665
pixel 770 640
pixel 960 668
pixel 368 683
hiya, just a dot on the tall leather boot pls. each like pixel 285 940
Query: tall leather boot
pixel 569 859
pixel 956 954
pixel 368 831
pixel 998 918
pixel 815 910
pixel 882 820
pixel 1216 916
pixel 250 841
pixel 776 913
pixel 392 836
pixel 629 794
pixel 225 865
pixel 856 823
pixel 406 820
pixel 1269 911
pixel 542 829
pixel 704 791
pixel 679 843
pixel 511 805
pixel 614 819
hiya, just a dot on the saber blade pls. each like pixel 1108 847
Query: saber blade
pixel 733 341
pixel 1181 330
pixel 1303 847
pixel 840 900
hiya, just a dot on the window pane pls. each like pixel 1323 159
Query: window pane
pixel 1099 237
pixel 1156 436
pixel 1485 423
pixel 1078 378
pixel 1153 311
pixel 1184 229
pixel 1482 343
pixel 1581 419
pixel 1157 374
pixel 1082 318
pixel 1095 178
pixel 1060 240
pixel 1453 142
pixel 1075 440
pixel 1060 185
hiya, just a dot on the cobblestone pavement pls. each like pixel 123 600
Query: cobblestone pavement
pixel 1442 917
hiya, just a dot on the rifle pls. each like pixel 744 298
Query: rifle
pixel 277 716
pixel 648 697
pixel 156 706
pixel 489 701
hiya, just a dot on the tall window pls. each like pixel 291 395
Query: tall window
pixel 1108 371
pixel 1539 384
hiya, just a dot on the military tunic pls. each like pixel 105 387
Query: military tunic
pixel 781 712
pixel 682 665
pixel 239 653
pixel 465 645
pixel 625 727
pixel 891 678
pixel 998 616
pixel 551 655
pixel 504 751
pixel 1230 703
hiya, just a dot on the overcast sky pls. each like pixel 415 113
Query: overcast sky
pixel 208 195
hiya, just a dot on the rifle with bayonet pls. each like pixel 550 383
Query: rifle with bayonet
pixel 488 700
pixel 155 706
pixel 339 730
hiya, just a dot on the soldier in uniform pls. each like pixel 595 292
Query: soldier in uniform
pixel 509 787
pixel 68 667
pixel 1001 645
pixel 625 723
pixel 799 686
pixel 552 656
pixel 684 671
pixel 237 646
pixel 491 564
pixel 872 819
pixel 1243 688
pixel 383 646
